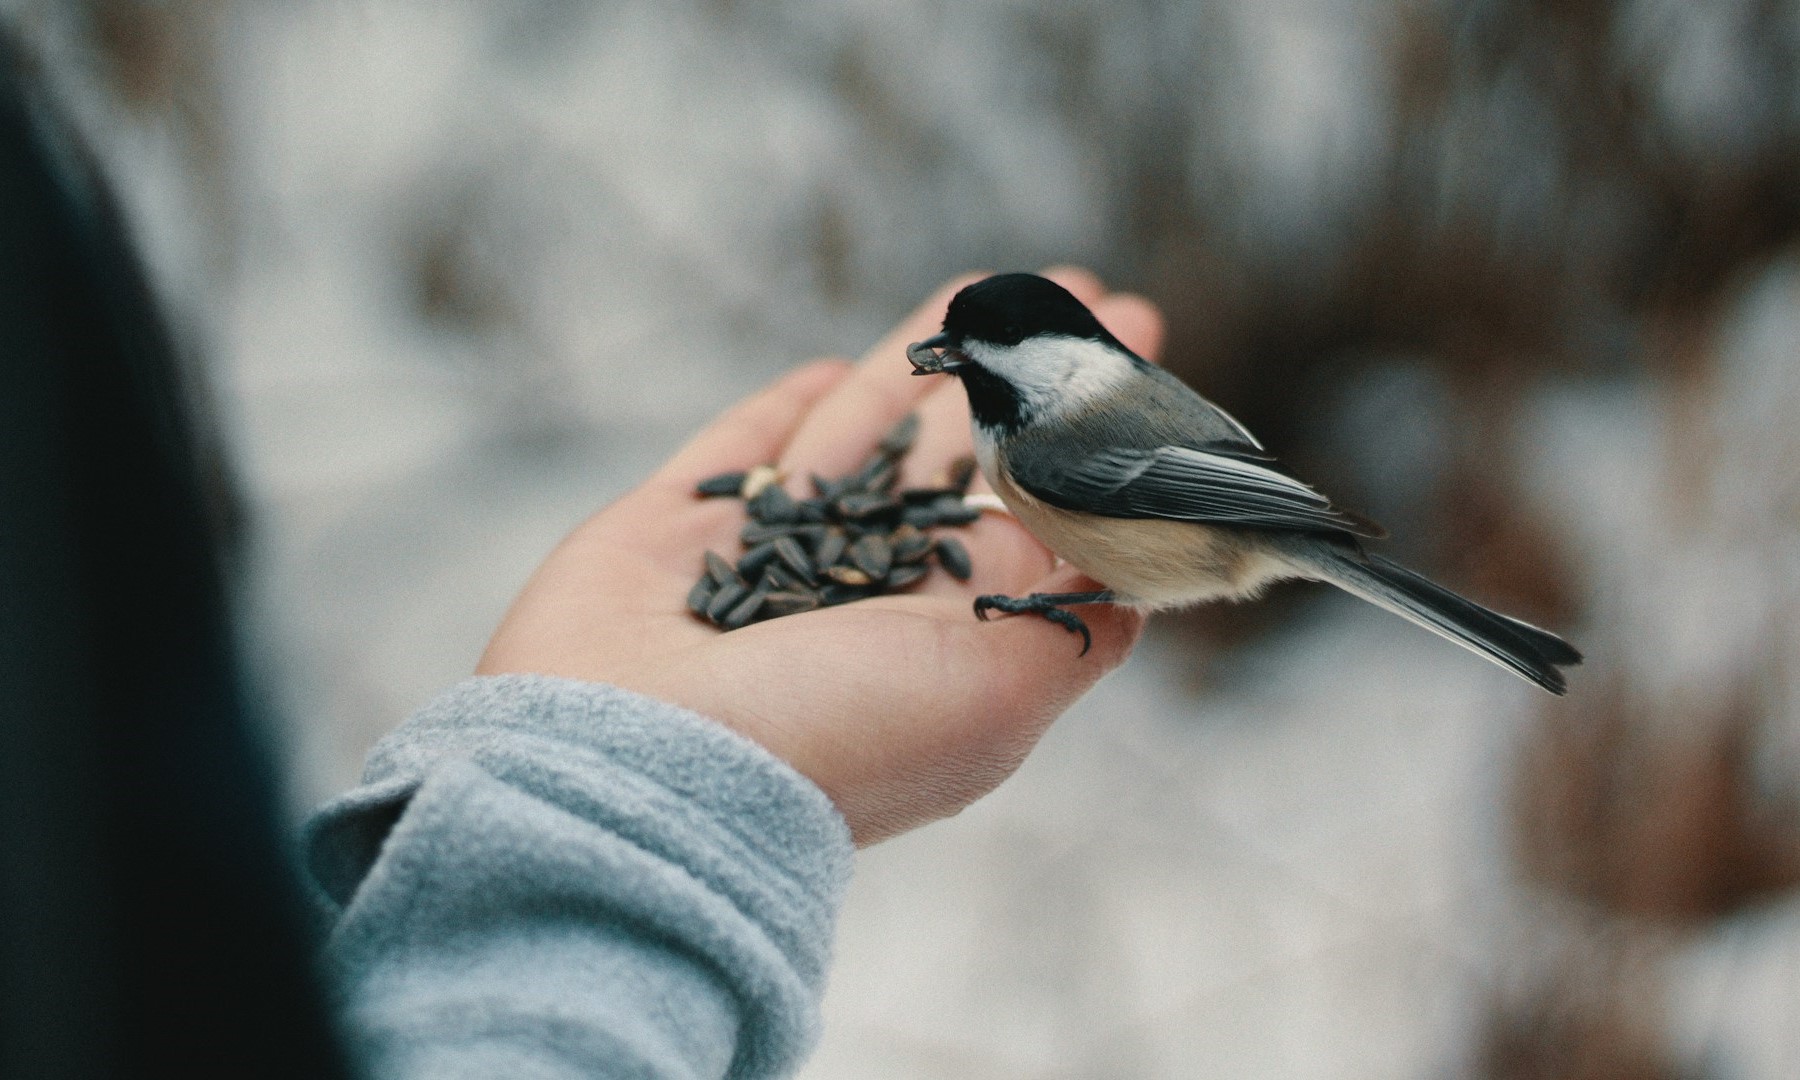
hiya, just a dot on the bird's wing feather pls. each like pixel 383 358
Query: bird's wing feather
pixel 1184 484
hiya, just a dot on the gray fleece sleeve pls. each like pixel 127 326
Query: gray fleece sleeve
pixel 548 878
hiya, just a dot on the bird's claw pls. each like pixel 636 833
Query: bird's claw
pixel 1036 604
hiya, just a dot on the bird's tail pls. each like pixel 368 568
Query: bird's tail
pixel 1532 653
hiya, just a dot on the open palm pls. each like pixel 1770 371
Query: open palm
pixel 903 708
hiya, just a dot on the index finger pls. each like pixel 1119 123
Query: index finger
pixel 837 435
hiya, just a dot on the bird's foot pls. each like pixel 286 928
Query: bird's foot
pixel 1050 606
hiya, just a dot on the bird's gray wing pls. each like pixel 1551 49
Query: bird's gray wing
pixel 1183 483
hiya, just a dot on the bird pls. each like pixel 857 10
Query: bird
pixel 1158 495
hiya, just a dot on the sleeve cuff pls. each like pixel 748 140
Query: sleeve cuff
pixel 767 850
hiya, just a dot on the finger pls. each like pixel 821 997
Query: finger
pixel 1006 679
pixel 670 525
pixel 943 432
pixel 837 435
pixel 1135 321
pixel 754 431
pixel 1079 280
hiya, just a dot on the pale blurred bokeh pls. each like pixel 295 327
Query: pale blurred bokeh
pixel 1521 278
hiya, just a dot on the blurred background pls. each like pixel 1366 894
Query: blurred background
pixel 1519 278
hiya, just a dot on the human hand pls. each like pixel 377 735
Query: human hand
pixel 902 708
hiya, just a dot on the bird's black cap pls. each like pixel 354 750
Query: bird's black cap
pixel 1008 308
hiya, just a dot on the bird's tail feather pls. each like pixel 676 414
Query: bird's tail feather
pixel 1530 652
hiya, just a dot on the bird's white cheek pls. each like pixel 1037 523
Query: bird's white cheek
pixel 987 454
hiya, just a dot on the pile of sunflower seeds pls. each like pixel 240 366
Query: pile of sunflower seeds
pixel 855 537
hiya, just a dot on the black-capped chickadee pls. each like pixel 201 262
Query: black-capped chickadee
pixel 1157 493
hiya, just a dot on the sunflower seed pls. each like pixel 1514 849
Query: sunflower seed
pixel 757 479
pixel 725 599
pixel 960 473
pixel 954 558
pixel 700 595
pixel 873 556
pixel 794 557
pixel 773 505
pixel 878 474
pixel 744 611
pixel 848 575
pixel 779 578
pixel 761 532
pixel 920 517
pixel 835 594
pixel 910 545
pixel 831 548
pixel 719 570
pixel 777 604
pixel 901 436
pixel 729 483
pixel 857 536
pixel 951 511
pixel 865 504
pixel 902 576
pixel 924 496
pixel 754 560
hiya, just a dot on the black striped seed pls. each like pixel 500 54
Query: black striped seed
pixel 728 597
pixel 857 536
pixel 744 611
pixel 873 556
pixel 954 558
pixel 756 560
pixel 794 557
pixel 719 570
pixel 900 438
pixel 831 548
pixel 701 595
pixel 777 604
pixel 723 484
pixel 902 576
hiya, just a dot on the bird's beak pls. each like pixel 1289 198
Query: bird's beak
pixel 926 360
